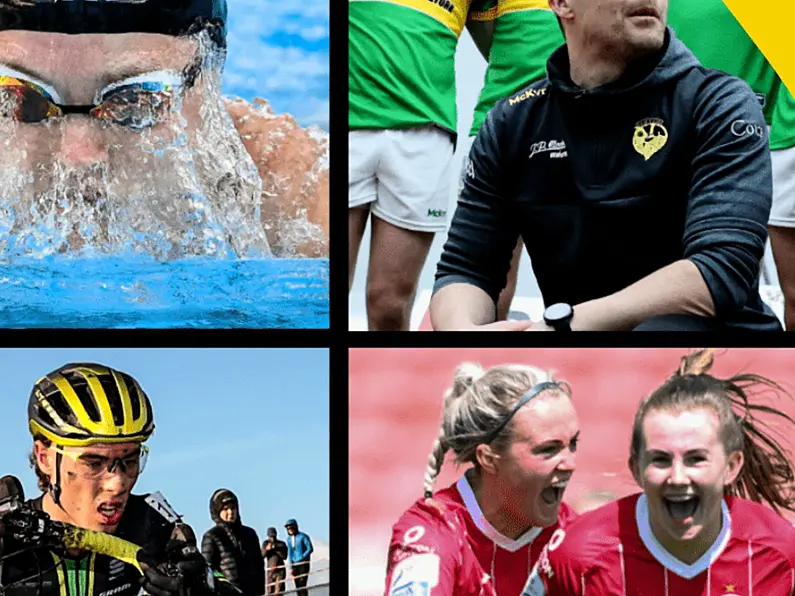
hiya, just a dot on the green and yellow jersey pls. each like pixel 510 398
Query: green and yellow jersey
pixel 525 34
pixel 402 62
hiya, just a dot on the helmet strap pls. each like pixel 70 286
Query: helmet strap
pixel 55 487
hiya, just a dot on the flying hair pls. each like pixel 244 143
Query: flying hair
pixel 767 474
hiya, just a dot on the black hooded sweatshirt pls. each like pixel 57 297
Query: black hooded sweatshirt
pixel 611 184
pixel 233 549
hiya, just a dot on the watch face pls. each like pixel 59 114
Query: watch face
pixel 557 312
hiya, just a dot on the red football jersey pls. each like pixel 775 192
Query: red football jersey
pixel 449 548
pixel 612 552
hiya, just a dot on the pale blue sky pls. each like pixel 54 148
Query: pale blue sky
pixel 252 420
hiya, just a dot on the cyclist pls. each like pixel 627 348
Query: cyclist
pixel 89 423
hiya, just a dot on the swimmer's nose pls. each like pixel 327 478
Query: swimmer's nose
pixel 82 142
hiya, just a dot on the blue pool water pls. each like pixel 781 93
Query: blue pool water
pixel 113 292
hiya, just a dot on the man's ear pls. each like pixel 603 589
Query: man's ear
pixel 562 8
pixel 43 458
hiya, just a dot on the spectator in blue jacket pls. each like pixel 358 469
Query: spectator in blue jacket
pixel 299 551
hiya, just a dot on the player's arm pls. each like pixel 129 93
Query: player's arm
pixel 474 264
pixel 556 573
pixel 480 24
pixel 726 226
pixel 423 556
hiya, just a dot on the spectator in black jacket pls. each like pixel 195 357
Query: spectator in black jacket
pixel 232 548
pixel 639 180
pixel 274 551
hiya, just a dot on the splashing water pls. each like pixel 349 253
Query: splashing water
pixel 186 187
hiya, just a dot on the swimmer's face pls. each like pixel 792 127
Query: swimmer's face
pixel 112 174
pixel 81 70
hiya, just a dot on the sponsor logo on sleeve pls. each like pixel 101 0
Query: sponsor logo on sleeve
pixel 527 95
pixel 413 534
pixel 649 137
pixel 743 128
pixel 415 575
pixel 470 168
pixel 556 539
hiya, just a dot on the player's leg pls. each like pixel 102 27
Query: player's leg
pixel 397 257
pixel 363 147
pixel 507 294
pixel 414 185
pixel 357 221
pixel 782 228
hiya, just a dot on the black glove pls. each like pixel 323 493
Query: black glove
pixel 180 571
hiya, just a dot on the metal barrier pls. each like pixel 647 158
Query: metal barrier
pixel 318 588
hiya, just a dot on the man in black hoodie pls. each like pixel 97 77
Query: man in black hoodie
pixel 639 180
pixel 232 548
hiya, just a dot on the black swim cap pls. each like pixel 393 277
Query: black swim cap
pixel 169 17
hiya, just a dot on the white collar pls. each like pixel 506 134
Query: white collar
pixel 665 558
pixel 473 508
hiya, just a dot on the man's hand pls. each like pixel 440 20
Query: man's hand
pixel 540 326
pixel 180 571
pixel 506 326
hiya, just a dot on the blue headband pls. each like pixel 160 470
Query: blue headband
pixel 525 398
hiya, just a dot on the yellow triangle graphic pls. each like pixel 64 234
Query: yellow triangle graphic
pixel 769 24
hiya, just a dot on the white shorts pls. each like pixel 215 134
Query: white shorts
pixel 405 174
pixel 783 212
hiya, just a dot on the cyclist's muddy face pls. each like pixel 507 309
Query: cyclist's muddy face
pixel 622 25
pixel 96 482
pixel 116 139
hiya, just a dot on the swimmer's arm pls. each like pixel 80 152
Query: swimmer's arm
pixel 678 288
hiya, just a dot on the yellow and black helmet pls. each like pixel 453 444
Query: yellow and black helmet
pixel 85 403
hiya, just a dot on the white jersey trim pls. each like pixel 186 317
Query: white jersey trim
pixel 473 508
pixel 665 558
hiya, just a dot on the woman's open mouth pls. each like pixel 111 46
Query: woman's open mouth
pixel 681 507
pixel 553 494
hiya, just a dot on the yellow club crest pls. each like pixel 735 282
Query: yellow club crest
pixel 650 136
